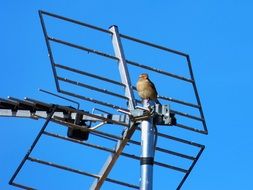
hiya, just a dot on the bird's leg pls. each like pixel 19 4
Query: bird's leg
pixel 150 104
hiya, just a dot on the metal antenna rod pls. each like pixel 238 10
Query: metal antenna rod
pixel 147 151
pixel 124 73
pixel 32 146
pixel 56 95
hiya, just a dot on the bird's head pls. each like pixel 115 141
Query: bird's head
pixel 143 76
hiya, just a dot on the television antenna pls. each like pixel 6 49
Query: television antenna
pixel 131 115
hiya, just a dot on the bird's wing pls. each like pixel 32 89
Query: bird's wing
pixel 152 86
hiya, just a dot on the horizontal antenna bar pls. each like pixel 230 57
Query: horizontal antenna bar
pixel 177 139
pixel 112 151
pixel 178 101
pixel 167 151
pixel 105 137
pixel 62 167
pixel 175 153
pixel 75 21
pixel 122 183
pixel 89 74
pixel 138 143
pixel 190 128
pixel 170 167
pixel 79 142
pixel 86 129
pixel 153 45
pixel 109 32
pixel 180 140
pixel 186 115
pixel 78 171
pixel 196 94
pixel 22 186
pixel 92 100
pixel 91 87
pixel 159 71
pixel 62 97
pixel 191 167
pixel 81 48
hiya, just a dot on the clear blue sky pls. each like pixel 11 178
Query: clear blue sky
pixel 216 34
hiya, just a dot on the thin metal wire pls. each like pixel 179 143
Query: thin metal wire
pixel 81 48
pixel 180 140
pixel 79 172
pixel 190 128
pixel 196 93
pixel 153 45
pixel 179 101
pixel 159 71
pixel 92 100
pixel 89 74
pixel 166 151
pixel 56 95
pixel 91 87
pixel 186 115
pixel 22 186
pixel 191 167
pixel 112 151
pixel 50 54
pixel 74 21
pixel 32 146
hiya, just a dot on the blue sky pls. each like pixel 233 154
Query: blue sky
pixel 216 34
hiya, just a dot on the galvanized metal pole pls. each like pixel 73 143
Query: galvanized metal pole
pixel 147 151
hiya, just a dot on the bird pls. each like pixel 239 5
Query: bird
pixel 146 88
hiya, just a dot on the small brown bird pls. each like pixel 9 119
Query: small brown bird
pixel 146 89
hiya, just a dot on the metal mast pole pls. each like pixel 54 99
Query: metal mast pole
pixel 147 129
pixel 147 151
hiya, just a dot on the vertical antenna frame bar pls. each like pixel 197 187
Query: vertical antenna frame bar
pixel 50 54
pixel 124 74
pixel 191 167
pixel 32 146
pixel 197 94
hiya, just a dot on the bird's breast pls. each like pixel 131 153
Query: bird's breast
pixel 145 90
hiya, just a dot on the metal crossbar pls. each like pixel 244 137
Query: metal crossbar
pixel 92 87
pixel 80 172
pixel 89 74
pixel 33 145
